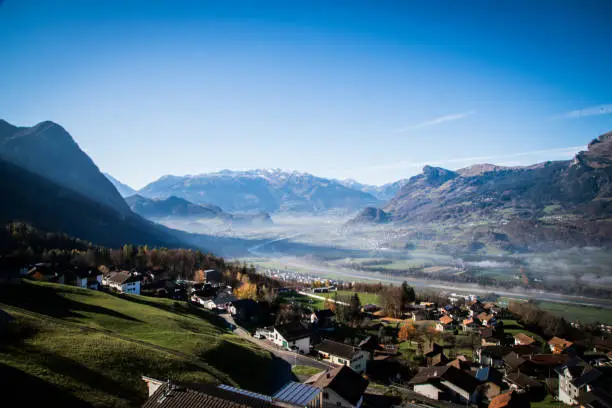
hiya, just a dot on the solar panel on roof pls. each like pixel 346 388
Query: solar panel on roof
pixel 297 393
pixel 245 392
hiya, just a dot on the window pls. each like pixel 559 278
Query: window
pixel 339 403
pixel 325 395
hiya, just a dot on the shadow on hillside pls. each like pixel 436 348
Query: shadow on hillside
pixel 180 308
pixel 48 300
pixel 255 372
pixel 78 372
pixel 30 391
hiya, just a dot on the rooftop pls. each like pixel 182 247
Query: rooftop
pixel 344 381
pixel 337 349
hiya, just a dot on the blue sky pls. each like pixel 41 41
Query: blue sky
pixel 370 90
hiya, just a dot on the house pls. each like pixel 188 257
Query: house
pixel 486 319
pixel 578 378
pixel 371 345
pixel 293 336
pixel 524 384
pixel 123 282
pixel 341 386
pixel 476 308
pixel 521 339
pixel 491 336
pixel 264 333
pixel 461 362
pixel 435 356
pixel 492 383
pixel 45 273
pixel 220 302
pixel 470 324
pixel 513 362
pixel 84 278
pixel 343 354
pixel 244 309
pixel 558 345
pixel 545 365
pixel 446 323
pixel 446 384
pixel 509 399
pixel 597 398
pixel 323 318
pixel 166 394
pixel 492 356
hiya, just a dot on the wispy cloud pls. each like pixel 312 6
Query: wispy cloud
pixel 432 122
pixel 530 157
pixel 590 111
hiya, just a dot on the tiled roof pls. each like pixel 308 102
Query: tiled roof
pixel 560 343
pixel 119 277
pixel 501 401
pixel 344 381
pixel 208 396
pixel 446 320
pixel 337 349
pixel 523 338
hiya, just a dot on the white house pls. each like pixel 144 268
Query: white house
pixel 123 282
pixel 344 354
pixel 446 383
pixel 294 336
pixel 86 278
pixel 341 386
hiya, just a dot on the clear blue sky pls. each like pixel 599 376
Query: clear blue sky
pixel 347 89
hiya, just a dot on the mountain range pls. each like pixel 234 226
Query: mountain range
pixel 575 194
pixel 269 190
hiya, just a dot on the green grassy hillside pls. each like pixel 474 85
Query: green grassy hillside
pixel 95 346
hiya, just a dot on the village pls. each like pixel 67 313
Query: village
pixel 356 344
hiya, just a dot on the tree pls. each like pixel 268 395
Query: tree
pixel 406 333
pixel 408 295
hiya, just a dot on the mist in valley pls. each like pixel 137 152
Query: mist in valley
pixel 444 256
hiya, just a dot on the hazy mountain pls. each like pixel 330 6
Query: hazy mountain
pixel 49 206
pixel 384 192
pixel 558 192
pixel 48 150
pixel 181 208
pixel 261 190
pixel 123 189
pixel 170 207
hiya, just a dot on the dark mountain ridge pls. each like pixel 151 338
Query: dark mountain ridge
pixel 49 151
pixel 51 207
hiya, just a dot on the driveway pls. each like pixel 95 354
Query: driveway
pixel 289 356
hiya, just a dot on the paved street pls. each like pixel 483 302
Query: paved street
pixel 288 356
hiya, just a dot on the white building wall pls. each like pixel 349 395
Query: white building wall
pixel 427 390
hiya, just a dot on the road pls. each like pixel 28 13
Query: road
pixel 323 298
pixel 289 356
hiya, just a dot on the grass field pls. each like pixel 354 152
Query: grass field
pixel 586 314
pixel 96 345
pixel 304 371
pixel 305 301
pixel 364 298
pixel 513 327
